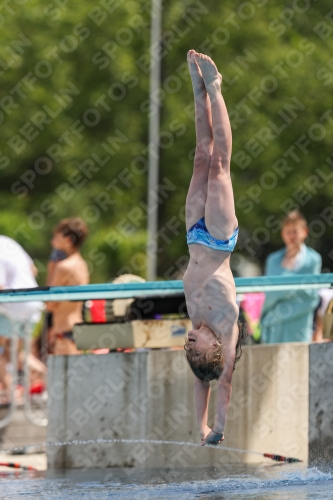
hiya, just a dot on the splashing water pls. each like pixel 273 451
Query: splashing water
pixel 77 442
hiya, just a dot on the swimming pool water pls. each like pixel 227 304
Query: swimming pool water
pixel 260 482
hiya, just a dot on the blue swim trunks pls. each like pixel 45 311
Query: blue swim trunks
pixel 200 235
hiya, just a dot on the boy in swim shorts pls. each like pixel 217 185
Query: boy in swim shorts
pixel 213 345
pixel 68 237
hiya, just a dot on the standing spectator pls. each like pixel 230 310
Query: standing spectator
pixel 288 315
pixel 68 237
pixel 17 270
pixel 44 346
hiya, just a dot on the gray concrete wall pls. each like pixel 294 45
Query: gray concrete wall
pixel 149 395
pixel 321 403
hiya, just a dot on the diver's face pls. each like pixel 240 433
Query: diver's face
pixel 201 341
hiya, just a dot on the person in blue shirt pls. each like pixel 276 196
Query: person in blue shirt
pixel 287 316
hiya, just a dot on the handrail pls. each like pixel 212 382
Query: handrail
pixel 160 288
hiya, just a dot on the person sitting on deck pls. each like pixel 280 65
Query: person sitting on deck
pixel 214 344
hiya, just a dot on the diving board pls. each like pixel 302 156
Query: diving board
pixel 161 288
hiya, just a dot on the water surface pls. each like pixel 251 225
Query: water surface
pixel 259 482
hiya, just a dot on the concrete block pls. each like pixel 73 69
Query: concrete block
pixel 150 395
pixel 268 411
pixel 321 403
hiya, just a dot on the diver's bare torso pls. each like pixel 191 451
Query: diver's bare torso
pixel 210 292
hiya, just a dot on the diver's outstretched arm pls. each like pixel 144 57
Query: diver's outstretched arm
pixel 202 395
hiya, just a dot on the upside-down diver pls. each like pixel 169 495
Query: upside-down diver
pixel 214 344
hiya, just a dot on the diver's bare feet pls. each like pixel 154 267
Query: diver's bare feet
pixel 212 78
pixel 195 72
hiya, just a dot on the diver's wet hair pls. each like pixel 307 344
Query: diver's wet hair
pixel 203 369
pixel 212 369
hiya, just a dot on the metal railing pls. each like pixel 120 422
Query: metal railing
pixel 161 288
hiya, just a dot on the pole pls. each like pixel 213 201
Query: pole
pixel 154 132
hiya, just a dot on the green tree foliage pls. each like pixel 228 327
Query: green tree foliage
pixel 75 110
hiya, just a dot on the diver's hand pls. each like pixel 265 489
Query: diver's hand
pixel 213 438
pixel 204 431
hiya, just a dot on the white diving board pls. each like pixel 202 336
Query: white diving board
pixel 161 288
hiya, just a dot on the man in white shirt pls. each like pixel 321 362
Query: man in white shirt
pixel 17 270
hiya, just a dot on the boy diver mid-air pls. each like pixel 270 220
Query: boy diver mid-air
pixel 214 344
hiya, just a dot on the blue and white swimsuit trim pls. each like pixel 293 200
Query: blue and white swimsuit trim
pixel 200 235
